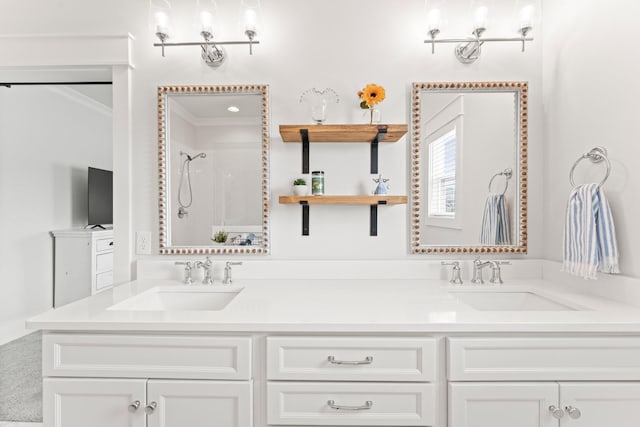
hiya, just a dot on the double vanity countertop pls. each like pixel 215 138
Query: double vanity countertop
pixel 343 306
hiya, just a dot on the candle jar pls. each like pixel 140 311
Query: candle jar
pixel 317 183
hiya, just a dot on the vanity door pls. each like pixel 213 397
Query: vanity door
pixel 194 403
pixel 83 402
pixel 484 404
pixel 600 404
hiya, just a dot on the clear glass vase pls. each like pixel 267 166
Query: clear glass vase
pixel 318 101
pixel 373 115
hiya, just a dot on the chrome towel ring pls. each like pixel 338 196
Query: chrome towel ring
pixel 596 155
pixel 507 173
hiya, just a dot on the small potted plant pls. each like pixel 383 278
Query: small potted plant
pixel 220 237
pixel 300 187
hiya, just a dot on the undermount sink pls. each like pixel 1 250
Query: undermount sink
pixel 509 300
pixel 181 298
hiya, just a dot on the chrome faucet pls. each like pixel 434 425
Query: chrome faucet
pixel 207 267
pixel 496 275
pixel 188 266
pixel 227 272
pixel 478 266
pixel 455 272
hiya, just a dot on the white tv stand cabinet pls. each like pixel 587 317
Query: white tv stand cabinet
pixel 83 263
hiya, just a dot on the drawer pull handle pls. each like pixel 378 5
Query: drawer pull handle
pixel 556 412
pixel 151 408
pixel 134 406
pixel 332 404
pixel 573 412
pixel 110 243
pixel 367 361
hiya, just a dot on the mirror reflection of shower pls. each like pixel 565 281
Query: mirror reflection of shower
pixel 183 205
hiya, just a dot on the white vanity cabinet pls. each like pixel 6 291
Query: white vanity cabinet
pixel 485 404
pixel 370 381
pixel 544 382
pixel 531 404
pixel 81 402
pixel 146 380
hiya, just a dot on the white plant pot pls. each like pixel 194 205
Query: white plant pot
pixel 300 190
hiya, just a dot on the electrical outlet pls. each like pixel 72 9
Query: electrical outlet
pixel 143 242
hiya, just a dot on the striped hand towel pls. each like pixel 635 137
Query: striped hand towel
pixel 495 221
pixel 589 234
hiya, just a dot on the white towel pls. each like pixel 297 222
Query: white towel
pixel 495 221
pixel 589 234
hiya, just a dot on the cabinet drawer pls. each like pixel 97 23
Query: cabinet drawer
pixel 104 245
pixel 387 404
pixel 499 359
pixel 351 359
pixel 104 280
pixel 140 356
pixel 104 262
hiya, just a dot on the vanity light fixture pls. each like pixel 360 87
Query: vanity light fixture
pixel 468 49
pixel 212 51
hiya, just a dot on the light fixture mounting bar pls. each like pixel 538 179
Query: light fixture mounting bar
pixel 203 43
pixel 480 40
pixel 208 43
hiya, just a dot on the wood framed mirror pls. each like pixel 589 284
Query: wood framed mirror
pixel 213 169
pixel 469 167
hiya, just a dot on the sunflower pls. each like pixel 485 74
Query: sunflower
pixel 371 95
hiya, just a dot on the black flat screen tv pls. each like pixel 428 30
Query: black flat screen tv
pixel 100 196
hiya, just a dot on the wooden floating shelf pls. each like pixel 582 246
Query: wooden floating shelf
pixel 343 133
pixel 371 201
pixel 343 200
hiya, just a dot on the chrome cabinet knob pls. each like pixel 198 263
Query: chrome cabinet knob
pixel 573 412
pixel 150 408
pixel 556 412
pixel 134 406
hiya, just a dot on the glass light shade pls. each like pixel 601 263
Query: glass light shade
pixel 206 11
pixel 159 21
pixel 480 16
pixel 162 22
pixel 250 16
pixel 527 14
pixel 250 20
pixel 206 21
pixel 434 19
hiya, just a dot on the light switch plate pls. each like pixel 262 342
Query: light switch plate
pixel 143 242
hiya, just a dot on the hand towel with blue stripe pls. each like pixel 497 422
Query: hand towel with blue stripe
pixel 589 234
pixel 495 221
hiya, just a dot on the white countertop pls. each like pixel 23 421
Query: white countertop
pixel 362 306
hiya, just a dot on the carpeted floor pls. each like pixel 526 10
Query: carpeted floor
pixel 21 379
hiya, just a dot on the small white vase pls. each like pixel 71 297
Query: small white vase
pixel 300 190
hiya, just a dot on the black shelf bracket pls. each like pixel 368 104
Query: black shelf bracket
pixel 373 218
pixel 304 135
pixel 305 217
pixel 382 132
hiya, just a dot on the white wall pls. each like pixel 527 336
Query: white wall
pixel 48 138
pixel 321 43
pixel 591 98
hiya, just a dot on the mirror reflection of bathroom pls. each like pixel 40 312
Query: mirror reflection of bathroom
pixel 215 177
pixel 469 138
